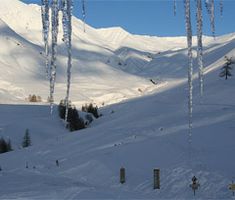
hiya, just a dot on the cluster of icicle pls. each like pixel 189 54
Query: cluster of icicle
pixel 67 28
pixel 211 11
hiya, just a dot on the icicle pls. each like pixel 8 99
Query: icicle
pixel 190 65
pixel 174 7
pixel 54 24
pixel 210 6
pixel 199 45
pixel 221 7
pixel 212 18
pixel 67 28
pixel 207 4
pixel 45 26
pixel 83 15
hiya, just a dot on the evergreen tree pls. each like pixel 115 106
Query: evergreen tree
pixel 26 140
pixel 226 69
pixel 61 109
pixel 91 109
pixel 74 121
pixel 3 146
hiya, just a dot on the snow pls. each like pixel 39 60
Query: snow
pixel 144 126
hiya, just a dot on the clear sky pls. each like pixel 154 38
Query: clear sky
pixel 151 17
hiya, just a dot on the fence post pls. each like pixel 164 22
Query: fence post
pixel 122 175
pixel 156 179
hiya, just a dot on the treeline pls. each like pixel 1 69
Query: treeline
pixel 34 98
pixel 74 121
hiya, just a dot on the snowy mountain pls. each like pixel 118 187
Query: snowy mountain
pixel 144 125
pixel 90 55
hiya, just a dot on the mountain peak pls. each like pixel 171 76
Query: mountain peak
pixel 114 35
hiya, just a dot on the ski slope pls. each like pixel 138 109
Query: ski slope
pixel 144 126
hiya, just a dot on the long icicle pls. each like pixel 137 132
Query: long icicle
pixel 199 46
pixel 54 24
pixel 174 7
pixel 210 6
pixel 212 17
pixel 190 66
pixel 207 4
pixel 84 15
pixel 221 7
pixel 45 27
pixel 67 27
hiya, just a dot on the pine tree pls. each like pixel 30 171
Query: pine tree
pixel 226 69
pixel 26 140
pixel 91 109
pixel 74 121
pixel 3 146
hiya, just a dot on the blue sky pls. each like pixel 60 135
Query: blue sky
pixel 151 17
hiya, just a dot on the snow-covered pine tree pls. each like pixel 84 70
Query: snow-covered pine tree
pixel 226 69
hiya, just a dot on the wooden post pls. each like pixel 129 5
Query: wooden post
pixel 122 175
pixel 156 179
pixel 232 187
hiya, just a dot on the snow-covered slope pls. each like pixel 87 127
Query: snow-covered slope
pixel 142 134
pixel 110 66
pixel 110 61
pixel 90 68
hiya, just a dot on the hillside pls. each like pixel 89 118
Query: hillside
pixel 144 126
